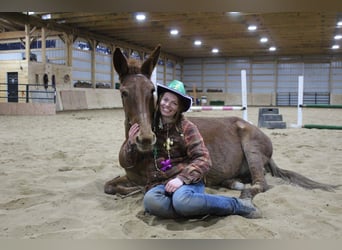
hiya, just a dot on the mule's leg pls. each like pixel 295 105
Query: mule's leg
pixel 256 161
pixel 238 183
pixel 120 185
pixel 233 184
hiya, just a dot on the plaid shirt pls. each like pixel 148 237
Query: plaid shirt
pixel 189 156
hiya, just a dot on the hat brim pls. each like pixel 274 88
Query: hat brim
pixel 186 100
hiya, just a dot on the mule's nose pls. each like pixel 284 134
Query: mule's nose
pixel 146 142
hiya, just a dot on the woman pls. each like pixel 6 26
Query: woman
pixel 176 181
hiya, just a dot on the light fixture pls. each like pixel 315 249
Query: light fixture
pixel 215 50
pixel 272 48
pixel 46 16
pixel 198 42
pixel 264 40
pixel 234 13
pixel 339 24
pixel 336 46
pixel 252 27
pixel 338 37
pixel 140 17
pixel 174 32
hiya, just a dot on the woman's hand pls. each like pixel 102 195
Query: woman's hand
pixel 133 132
pixel 173 185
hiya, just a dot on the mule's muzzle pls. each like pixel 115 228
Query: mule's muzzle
pixel 145 143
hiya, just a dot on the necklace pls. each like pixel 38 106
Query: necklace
pixel 166 164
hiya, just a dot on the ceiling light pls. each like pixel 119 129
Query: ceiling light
pixel 252 27
pixel 174 32
pixel 234 13
pixel 46 16
pixel 215 50
pixel 140 17
pixel 339 23
pixel 264 39
pixel 338 37
pixel 272 48
pixel 335 46
pixel 198 43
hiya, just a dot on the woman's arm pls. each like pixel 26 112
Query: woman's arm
pixel 198 154
pixel 128 151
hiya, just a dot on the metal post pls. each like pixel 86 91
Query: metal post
pixel 300 101
pixel 55 94
pixel 27 93
pixel 244 94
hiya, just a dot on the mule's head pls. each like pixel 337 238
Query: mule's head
pixel 138 95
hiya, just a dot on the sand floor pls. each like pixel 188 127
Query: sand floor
pixel 52 171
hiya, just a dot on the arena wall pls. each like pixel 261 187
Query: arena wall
pixel 78 99
pixel 27 109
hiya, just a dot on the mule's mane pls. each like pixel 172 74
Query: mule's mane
pixel 134 66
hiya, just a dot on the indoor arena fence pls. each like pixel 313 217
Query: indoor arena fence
pixel 243 107
pixel 300 107
pixel 29 93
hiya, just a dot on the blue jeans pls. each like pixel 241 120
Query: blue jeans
pixel 190 201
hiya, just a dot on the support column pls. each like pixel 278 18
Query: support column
pixel 69 41
pixel 43 45
pixel 27 42
pixel 93 63
pixel 112 71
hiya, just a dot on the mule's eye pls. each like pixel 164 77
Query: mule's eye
pixel 124 93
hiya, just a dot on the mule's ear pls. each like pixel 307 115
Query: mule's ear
pixel 148 66
pixel 120 63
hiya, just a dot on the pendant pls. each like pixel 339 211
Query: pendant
pixel 165 165
pixel 168 144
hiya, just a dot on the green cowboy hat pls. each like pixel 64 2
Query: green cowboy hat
pixel 176 87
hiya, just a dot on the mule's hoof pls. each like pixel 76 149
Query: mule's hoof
pixel 109 189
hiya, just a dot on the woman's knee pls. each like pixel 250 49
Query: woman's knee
pixel 189 203
pixel 155 201
pixel 182 203
pixel 151 201
pixel 158 205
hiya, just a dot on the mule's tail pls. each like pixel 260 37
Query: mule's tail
pixel 297 179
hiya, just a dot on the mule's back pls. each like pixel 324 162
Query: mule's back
pixel 225 138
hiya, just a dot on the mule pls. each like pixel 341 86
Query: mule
pixel 241 153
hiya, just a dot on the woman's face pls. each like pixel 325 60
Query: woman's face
pixel 169 105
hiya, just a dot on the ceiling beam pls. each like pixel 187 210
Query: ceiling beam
pixel 51 25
